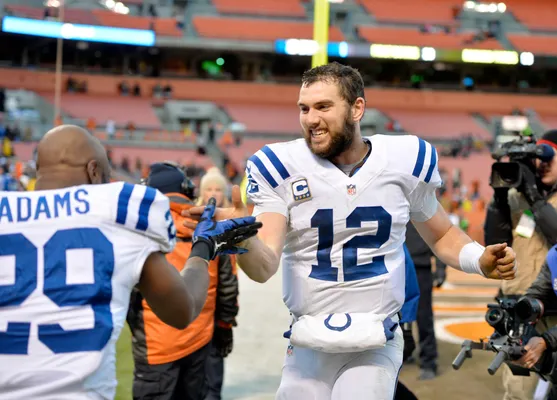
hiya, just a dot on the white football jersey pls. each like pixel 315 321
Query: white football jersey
pixel 69 259
pixel 344 243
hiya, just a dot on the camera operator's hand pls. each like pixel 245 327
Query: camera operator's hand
pixel 498 262
pixel 534 350
pixel 528 186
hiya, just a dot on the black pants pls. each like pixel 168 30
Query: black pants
pixel 426 331
pixel 215 375
pixel 183 379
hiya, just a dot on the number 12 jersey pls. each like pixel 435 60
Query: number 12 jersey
pixel 345 234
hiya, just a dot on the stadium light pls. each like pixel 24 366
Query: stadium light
pixel 526 58
pixel 428 54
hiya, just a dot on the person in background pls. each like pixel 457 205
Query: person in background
pixel 421 255
pixel 170 363
pixel 214 184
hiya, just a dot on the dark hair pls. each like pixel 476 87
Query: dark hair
pixel 349 80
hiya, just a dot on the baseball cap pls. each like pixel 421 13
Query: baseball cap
pixel 166 177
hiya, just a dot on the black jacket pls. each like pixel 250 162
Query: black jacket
pixel 542 290
pixel 498 226
pixel 419 250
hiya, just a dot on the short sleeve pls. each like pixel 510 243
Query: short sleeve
pixel 146 211
pixel 261 189
pixel 423 199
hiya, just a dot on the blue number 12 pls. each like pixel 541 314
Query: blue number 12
pixel 324 222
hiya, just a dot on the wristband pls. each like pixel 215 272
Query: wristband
pixel 469 258
pixel 202 248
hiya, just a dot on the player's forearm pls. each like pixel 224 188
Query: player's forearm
pixel 196 278
pixel 261 262
pixel 448 247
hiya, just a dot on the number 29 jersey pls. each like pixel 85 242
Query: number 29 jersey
pixel 344 243
pixel 69 260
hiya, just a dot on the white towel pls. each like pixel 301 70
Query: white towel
pixel 343 333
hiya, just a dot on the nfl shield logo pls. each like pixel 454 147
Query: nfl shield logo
pixel 290 350
pixel 351 189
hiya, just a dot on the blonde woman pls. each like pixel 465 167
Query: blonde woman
pixel 214 184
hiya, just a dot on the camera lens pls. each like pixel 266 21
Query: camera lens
pixel 494 316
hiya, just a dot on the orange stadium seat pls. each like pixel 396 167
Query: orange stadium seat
pixel 420 12
pixel 284 8
pixel 75 16
pixel 477 167
pixel 239 154
pixel 120 109
pixel 227 92
pixel 262 118
pixel 257 29
pixel 438 125
pixel 536 44
pixel 413 37
pixel 110 18
pixel 540 15
pixel 161 26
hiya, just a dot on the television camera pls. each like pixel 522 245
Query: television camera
pixel 521 150
pixel 514 324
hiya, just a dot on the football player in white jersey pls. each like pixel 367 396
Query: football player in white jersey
pixel 70 254
pixel 334 207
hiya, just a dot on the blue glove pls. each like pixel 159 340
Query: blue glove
pixel 222 236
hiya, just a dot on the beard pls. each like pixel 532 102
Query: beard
pixel 339 141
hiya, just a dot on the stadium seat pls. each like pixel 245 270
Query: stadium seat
pixel 257 29
pixel 419 12
pixel 536 44
pixel 538 15
pixel 413 37
pixel 103 108
pixel 438 125
pixel 284 8
pixel 262 118
pixel 75 16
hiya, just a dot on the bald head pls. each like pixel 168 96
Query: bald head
pixel 68 156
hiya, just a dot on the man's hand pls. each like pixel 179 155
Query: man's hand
pixel 223 236
pixel 534 350
pixel 528 187
pixel 498 262
pixel 439 277
pixel 223 340
pixel 238 210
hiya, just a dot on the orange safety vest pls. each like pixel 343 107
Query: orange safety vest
pixel 154 341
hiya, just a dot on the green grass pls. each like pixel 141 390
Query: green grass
pixel 124 365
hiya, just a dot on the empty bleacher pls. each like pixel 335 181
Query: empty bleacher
pixel 535 15
pixel 283 8
pixel 537 44
pixel 262 118
pixel 103 108
pixel 413 37
pixel 419 12
pixel 438 125
pixel 257 29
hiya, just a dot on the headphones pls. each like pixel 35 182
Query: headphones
pixel 187 186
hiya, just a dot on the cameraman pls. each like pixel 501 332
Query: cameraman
pixel 545 292
pixel 526 219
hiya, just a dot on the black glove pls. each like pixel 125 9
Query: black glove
pixel 409 342
pixel 223 341
pixel 439 276
pixel 528 186
pixel 501 197
pixel 221 237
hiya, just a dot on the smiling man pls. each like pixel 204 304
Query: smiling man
pixel 335 207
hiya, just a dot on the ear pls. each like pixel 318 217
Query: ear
pixel 358 109
pixel 93 172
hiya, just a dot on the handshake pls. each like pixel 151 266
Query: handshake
pixel 223 237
